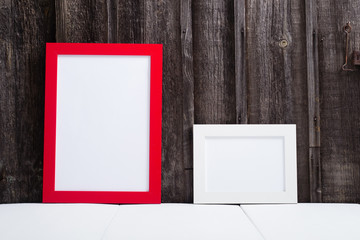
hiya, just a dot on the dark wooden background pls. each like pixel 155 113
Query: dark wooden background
pixel 225 61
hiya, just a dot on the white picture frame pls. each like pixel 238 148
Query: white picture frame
pixel 243 164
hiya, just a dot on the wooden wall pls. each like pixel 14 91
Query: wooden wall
pixel 229 61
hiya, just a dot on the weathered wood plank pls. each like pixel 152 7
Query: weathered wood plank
pixel 25 28
pixel 312 74
pixel 188 94
pixel 112 7
pixel 340 98
pixel 315 175
pixel 163 25
pixel 313 102
pixel 213 39
pixel 241 94
pixel 276 69
pixel 131 21
pixel 82 21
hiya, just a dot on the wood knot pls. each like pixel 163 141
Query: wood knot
pixel 283 43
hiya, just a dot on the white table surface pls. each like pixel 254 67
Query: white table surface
pixel 101 221
pixel 306 221
pixel 181 221
pixel 55 221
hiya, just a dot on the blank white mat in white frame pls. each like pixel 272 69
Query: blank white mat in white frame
pixel 245 164
pixel 232 162
pixel 102 125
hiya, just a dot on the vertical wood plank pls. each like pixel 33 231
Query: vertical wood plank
pixel 188 94
pixel 313 102
pixel 131 21
pixel 112 7
pixel 315 175
pixel 82 21
pixel 213 39
pixel 340 98
pixel 240 67
pixel 164 24
pixel 276 70
pixel 25 28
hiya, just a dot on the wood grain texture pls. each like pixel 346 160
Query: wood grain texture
pixel 24 29
pixel 340 98
pixel 187 64
pixel 224 62
pixel 163 25
pixel 313 102
pixel 276 73
pixel 241 91
pixel 130 19
pixel 315 175
pixel 82 21
pixel 214 70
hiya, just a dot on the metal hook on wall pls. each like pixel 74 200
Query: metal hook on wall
pixel 347 30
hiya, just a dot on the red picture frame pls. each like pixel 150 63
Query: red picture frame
pixel 53 50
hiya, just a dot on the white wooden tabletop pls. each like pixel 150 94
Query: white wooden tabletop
pixel 179 221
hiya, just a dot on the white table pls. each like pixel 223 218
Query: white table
pixel 101 221
pixel 55 221
pixel 306 221
pixel 179 221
